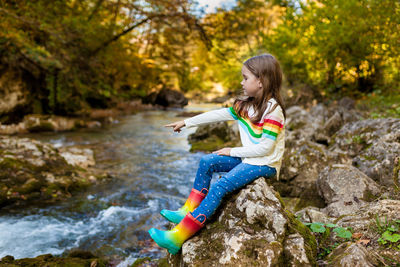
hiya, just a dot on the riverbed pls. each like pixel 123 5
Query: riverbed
pixel 152 169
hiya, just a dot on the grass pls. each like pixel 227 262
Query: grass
pixel 380 105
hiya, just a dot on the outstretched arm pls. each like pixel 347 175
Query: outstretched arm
pixel 223 114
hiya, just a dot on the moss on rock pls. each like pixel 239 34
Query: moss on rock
pixel 53 261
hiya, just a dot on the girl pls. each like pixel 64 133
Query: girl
pixel 261 118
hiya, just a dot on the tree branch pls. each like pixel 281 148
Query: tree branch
pixel 95 9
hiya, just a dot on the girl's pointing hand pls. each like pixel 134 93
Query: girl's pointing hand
pixel 176 125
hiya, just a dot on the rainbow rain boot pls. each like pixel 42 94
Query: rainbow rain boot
pixel 193 201
pixel 173 240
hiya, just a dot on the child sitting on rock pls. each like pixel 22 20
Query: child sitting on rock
pixel 261 117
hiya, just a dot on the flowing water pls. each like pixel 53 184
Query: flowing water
pixel 153 169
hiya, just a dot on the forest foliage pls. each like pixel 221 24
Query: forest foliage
pixel 77 54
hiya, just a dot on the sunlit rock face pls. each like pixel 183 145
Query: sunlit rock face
pixel 250 228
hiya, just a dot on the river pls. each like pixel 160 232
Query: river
pixel 153 170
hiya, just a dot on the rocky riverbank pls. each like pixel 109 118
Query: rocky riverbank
pixel 339 169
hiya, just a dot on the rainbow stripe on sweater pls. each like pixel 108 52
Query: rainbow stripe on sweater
pixel 269 128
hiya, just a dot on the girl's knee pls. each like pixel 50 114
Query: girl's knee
pixel 220 188
pixel 207 160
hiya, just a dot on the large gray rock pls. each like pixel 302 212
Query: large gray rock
pixel 351 255
pixel 379 160
pixel 313 214
pixel 354 137
pixel 365 221
pixel 251 228
pixel 374 145
pixel 302 124
pixel 362 219
pixel 345 189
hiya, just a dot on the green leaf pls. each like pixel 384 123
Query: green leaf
pixel 342 232
pixel 331 225
pixel 317 228
pixel 390 237
pixel 382 241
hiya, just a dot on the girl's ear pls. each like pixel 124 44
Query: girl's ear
pixel 260 84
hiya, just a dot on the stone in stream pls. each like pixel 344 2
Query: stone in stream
pixel 251 228
pixel 31 170
pixel 166 98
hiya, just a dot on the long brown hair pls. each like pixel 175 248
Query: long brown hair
pixel 267 69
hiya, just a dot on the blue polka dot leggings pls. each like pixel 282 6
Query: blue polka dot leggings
pixel 238 175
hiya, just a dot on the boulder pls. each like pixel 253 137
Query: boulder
pixel 373 145
pixel 362 219
pixel 78 157
pixel 345 189
pixel 379 160
pixel 214 136
pixel 302 162
pixel 35 171
pixel 251 228
pixel 354 137
pixel 372 220
pixel 166 98
pixel 302 123
pixel 351 255
pixel 333 124
pixel 313 214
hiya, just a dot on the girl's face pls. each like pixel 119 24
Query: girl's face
pixel 250 83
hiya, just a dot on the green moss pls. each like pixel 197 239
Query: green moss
pixel 369 157
pixel 140 261
pixel 368 196
pixel 396 171
pixel 11 163
pixel 210 144
pixel 163 262
pixel 253 247
pixel 51 261
pixel 30 186
pixel 310 243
